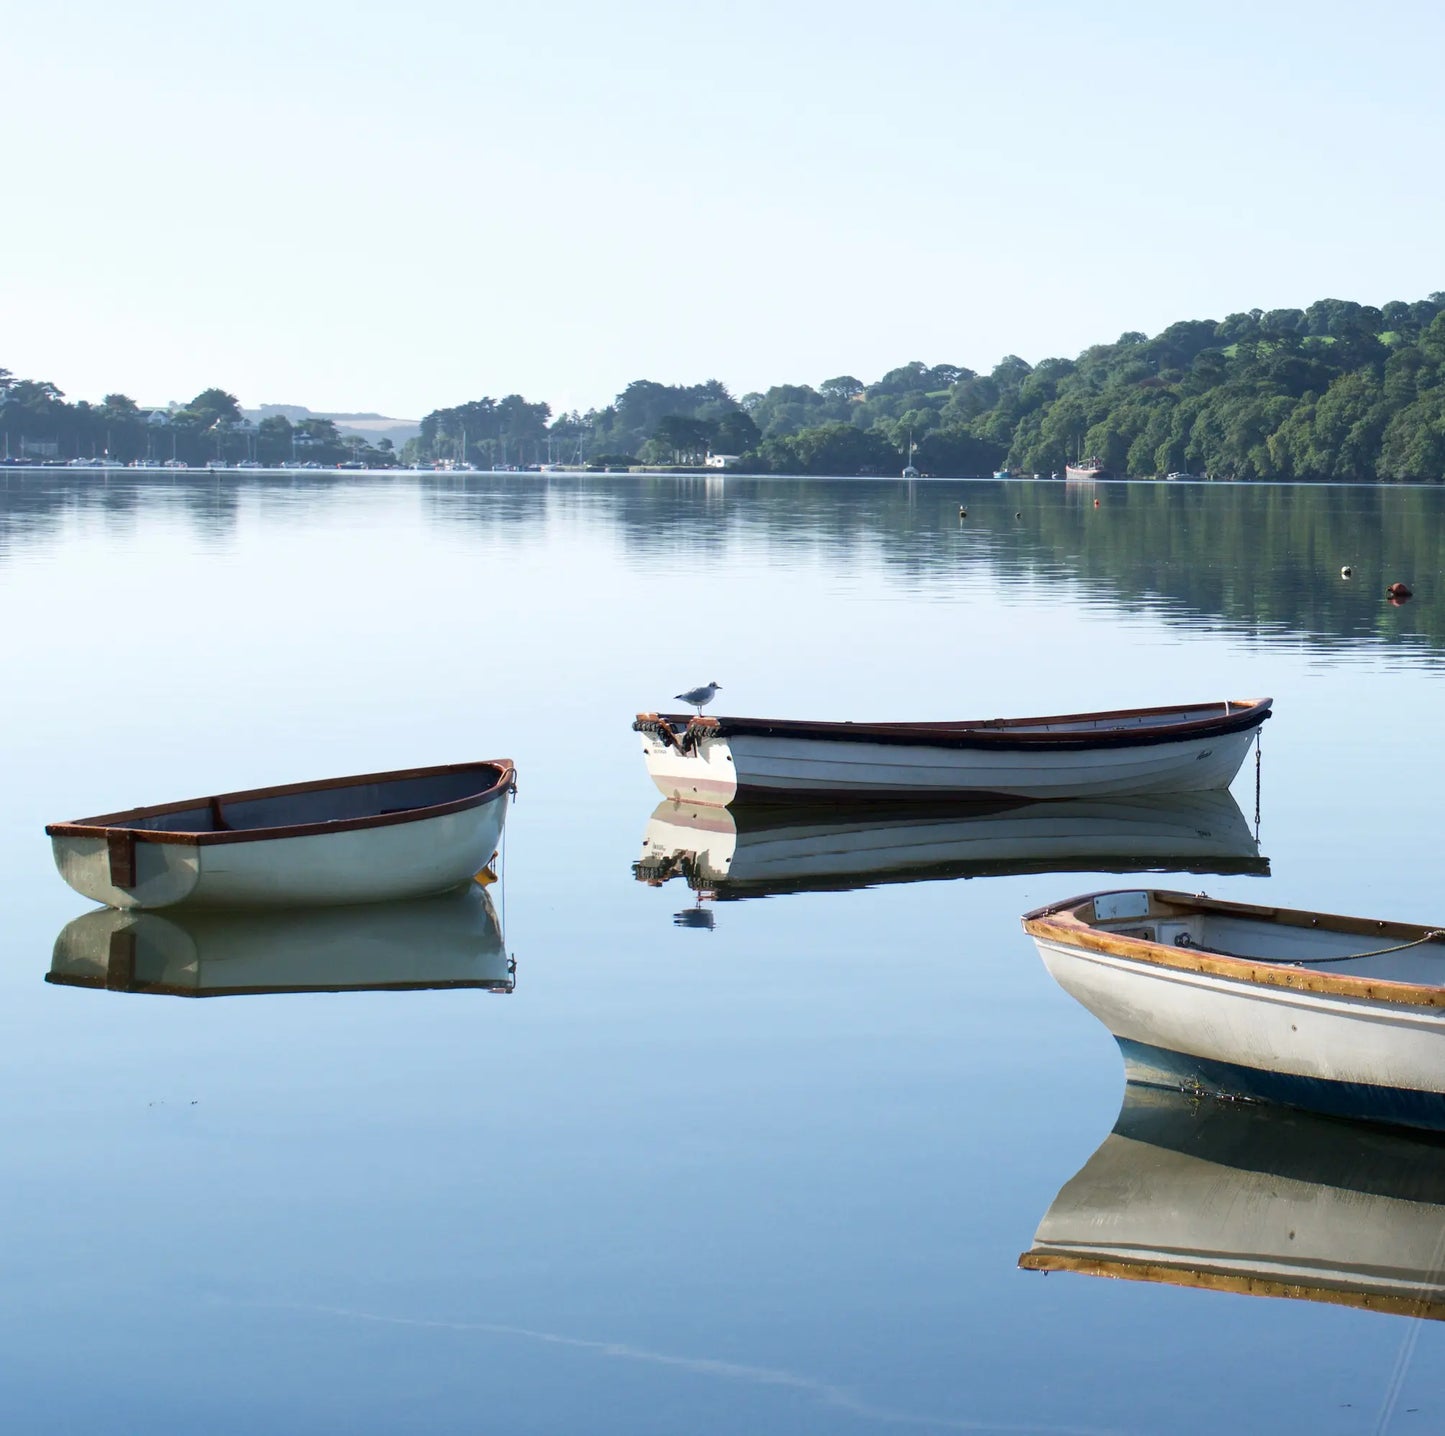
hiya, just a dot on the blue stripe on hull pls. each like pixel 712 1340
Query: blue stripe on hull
pixel 1398 1106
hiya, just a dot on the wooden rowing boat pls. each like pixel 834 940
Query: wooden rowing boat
pixel 765 849
pixel 1186 748
pixel 368 838
pixel 1340 1015
pixel 451 940
pixel 1258 1200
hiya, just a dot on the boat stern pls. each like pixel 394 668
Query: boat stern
pixel 695 765
pixel 116 869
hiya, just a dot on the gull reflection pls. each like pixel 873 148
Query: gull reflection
pixel 699 916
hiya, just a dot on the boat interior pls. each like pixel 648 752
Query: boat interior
pixel 1113 722
pixel 369 797
pixel 1346 947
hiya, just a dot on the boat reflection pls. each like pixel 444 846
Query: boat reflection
pixel 760 850
pixel 452 940
pixel 1261 1200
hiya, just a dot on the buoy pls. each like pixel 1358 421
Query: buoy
pixel 1398 590
pixel 1347 572
pixel 1096 503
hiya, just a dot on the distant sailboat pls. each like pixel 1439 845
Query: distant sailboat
pixel 1082 468
pixel 909 472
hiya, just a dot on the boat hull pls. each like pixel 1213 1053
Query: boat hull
pixel 719 769
pixel 1344 1055
pixel 361 865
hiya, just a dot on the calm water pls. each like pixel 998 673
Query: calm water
pixel 768 1175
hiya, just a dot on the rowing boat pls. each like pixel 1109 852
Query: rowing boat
pixel 1256 1200
pixel 368 838
pixel 766 849
pixel 1185 748
pixel 452 940
pixel 1340 1015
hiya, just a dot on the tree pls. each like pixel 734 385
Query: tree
pixel 1010 372
pixel 1413 444
pixel 211 405
pixel 685 439
pixel 736 434
pixel 836 449
pixel 274 440
pixel 956 453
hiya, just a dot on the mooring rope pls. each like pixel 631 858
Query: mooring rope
pixel 1435 934
pixel 1257 754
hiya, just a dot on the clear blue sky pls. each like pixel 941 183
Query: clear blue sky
pixel 399 207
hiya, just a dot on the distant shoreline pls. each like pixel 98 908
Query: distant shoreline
pixel 88 470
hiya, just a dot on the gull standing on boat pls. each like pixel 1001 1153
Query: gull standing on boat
pixel 699 697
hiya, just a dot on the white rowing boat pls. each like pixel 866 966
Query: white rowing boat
pixel 1340 1015
pixel 764 849
pixel 1234 1197
pixel 449 941
pixel 1186 748
pixel 368 838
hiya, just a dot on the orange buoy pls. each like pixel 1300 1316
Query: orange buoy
pixel 1398 591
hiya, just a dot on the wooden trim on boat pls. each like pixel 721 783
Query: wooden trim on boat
pixel 1061 923
pixel 120 831
pixel 997 734
pixel 1201 1278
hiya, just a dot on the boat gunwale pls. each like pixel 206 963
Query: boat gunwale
pixel 996 734
pixel 1061 923
pixel 174 990
pixel 168 989
pixel 1204 1278
pixel 103 824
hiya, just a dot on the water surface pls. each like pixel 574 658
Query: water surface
pixel 769 1168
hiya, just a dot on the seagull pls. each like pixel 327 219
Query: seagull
pixel 698 697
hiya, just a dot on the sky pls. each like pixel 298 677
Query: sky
pixel 397 208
